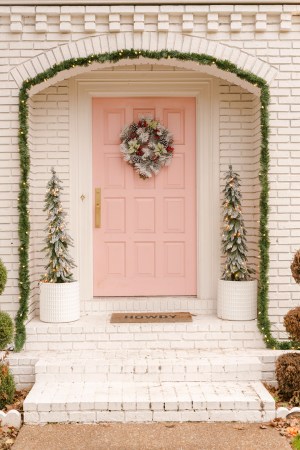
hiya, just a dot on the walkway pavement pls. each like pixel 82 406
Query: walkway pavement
pixel 152 436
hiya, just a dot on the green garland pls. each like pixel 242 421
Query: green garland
pixel 24 225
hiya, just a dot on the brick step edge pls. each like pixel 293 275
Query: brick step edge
pixel 149 377
pixel 142 364
pixel 34 417
pixel 63 402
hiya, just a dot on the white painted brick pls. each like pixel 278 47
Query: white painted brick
pixel 90 22
pixel 32 417
pixel 172 9
pixel 139 22
pixel 65 23
pixel 261 22
pixel 285 22
pixel 122 9
pixel 114 17
pixel 187 22
pixel 53 10
pixel 270 8
pixel 213 17
pixel 236 22
pixel 41 27
pixel 163 17
pixel 5 10
pixel 23 10
pixel 212 22
pixel 163 22
pixel 139 26
pixel 73 10
pixel 114 22
pixel 141 416
pixel 17 76
pixel 146 9
pixel 99 10
pixel 110 416
pixel 167 416
pixel 53 416
pixel 16 25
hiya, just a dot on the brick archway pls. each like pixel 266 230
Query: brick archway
pixel 150 41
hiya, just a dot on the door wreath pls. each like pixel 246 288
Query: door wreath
pixel 147 146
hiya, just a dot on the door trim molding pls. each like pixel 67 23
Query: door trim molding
pixel 114 84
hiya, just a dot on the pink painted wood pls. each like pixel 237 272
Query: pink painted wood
pixel 146 245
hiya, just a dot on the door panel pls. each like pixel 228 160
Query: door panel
pixel 146 244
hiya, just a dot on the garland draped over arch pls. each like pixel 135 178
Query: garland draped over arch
pixel 264 324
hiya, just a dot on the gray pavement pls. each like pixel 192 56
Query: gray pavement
pixel 152 436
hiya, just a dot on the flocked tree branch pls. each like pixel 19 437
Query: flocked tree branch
pixel 234 233
pixel 58 270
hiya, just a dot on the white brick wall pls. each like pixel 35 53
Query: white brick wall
pixel 49 145
pixel 240 146
pixel 265 41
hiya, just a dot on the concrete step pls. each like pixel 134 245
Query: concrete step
pixel 149 367
pixel 95 332
pixel 80 401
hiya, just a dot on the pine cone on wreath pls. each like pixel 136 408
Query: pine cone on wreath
pixel 135 159
pixel 164 142
pixel 295 267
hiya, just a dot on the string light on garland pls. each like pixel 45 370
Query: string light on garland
pixel 24 225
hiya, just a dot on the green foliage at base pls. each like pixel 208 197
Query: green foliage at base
pixel 7 386
pixel 113 57
pixel 6 330
pixel 296 442
pixel 3 276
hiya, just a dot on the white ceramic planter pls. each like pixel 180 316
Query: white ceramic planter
pixel 237 300
pixel 59 302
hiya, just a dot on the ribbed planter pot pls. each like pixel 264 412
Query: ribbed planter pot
pixel 59 302
pixel 237 300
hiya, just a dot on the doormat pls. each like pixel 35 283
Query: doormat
pixel 147 317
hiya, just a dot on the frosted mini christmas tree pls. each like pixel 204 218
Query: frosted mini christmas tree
pixel 234 233
pixel 59 268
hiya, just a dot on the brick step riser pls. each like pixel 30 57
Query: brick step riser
pixel 149 331
pixel 201 415
pixel 149 305
pixel 179 344
pixel 150 377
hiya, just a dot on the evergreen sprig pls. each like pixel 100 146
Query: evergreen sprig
pixel 113 57
pixel 3 276
pixel 234 233
pixel 59 267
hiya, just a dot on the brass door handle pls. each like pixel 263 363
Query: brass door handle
pixel 97 208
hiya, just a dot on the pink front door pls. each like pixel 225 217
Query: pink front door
pixel 146 244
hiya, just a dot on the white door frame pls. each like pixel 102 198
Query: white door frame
pixel 117 84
